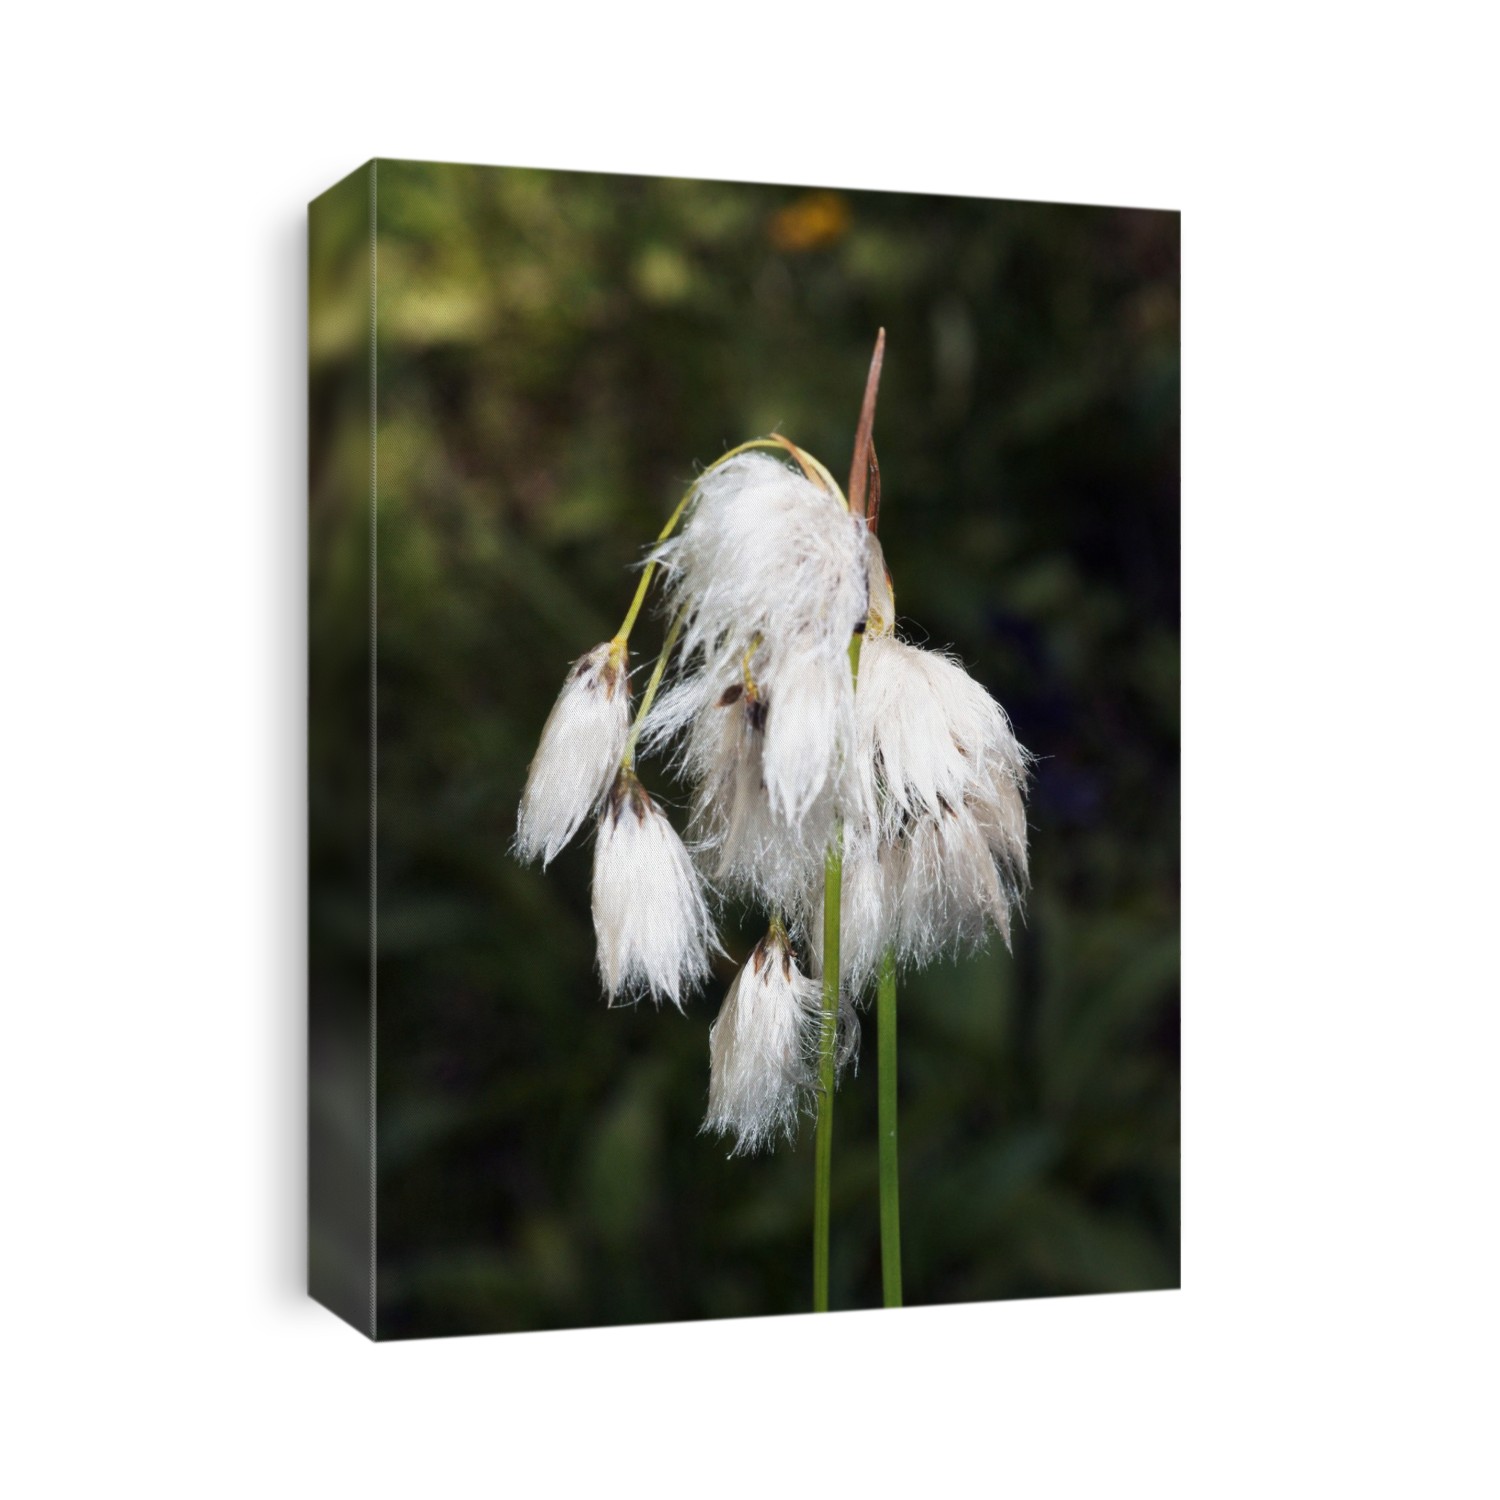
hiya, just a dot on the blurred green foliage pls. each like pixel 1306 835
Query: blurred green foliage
pixel 556 353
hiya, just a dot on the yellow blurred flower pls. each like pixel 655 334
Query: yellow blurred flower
pixel 812 222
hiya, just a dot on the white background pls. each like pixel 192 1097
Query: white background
pixel 1336 1333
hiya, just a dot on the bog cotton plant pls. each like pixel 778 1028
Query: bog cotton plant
pixel 866 793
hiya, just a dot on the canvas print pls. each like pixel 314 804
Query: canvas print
pixel 743 763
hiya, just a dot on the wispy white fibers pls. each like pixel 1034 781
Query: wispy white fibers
pixel 580 750
pixel 950 890
pixel 868 905
pixel 1000 811
pixel 772 578
pixel 809 730
pixel 929 734
pixel 764 552
pixel 736 837
pixel 945 847
pixel 762 1049
pixel 650 917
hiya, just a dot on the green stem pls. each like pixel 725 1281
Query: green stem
pixel 833 890
pixel 649 696
pixel 890 1175
pixel 833 884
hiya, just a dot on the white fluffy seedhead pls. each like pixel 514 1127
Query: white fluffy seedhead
pixel 765 553
pixel 946 844
pixel 771 577
pixel 736 835
pixel 929 735
pixel 579 752
pixel 809 712
pixel 950 890
pixel 761 1049
pixel 650 917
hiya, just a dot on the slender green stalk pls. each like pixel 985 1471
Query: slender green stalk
pixel 890 1175
pixel 833 872
pixel 833 891
pixel 649 696
pixel 833 882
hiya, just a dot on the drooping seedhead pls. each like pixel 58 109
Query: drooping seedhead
pixel 770 575
pixel 765 552
pixel 578 754
pixel 651 919
pixel 935 845
pixel 762 1067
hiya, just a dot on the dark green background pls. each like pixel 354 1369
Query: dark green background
pixel 556 353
